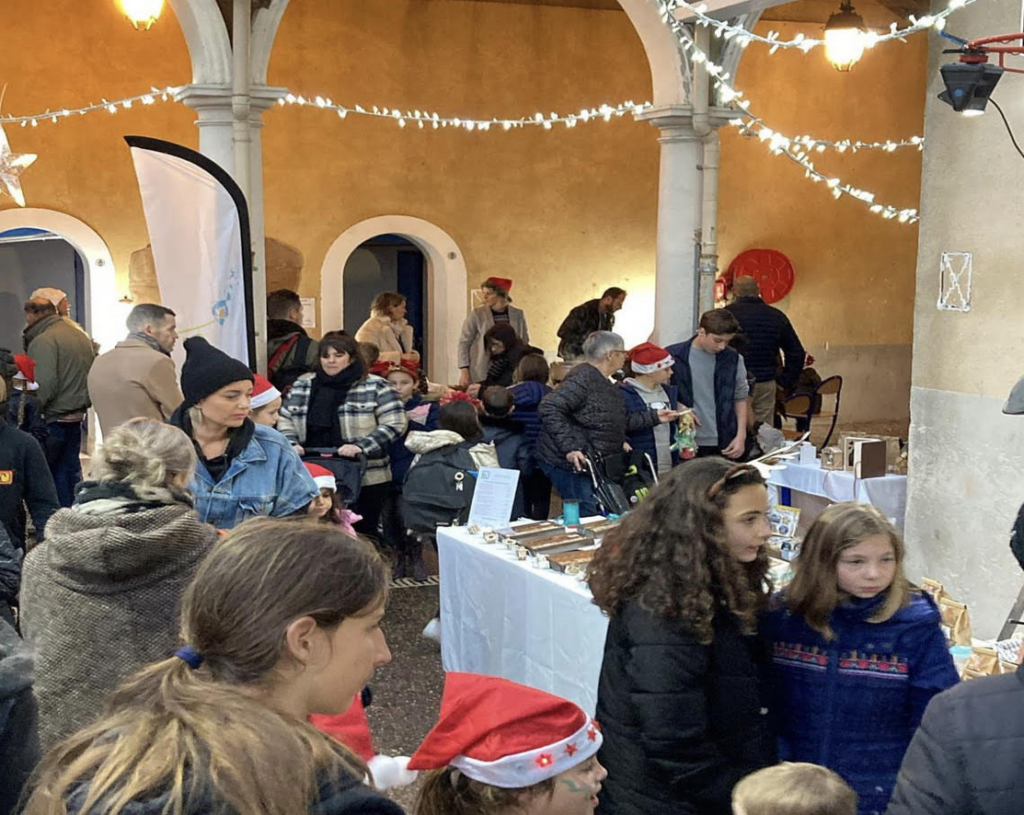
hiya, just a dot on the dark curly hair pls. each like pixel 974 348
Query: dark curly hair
pixel 670 554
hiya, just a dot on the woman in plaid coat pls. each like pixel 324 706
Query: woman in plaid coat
pixel 340 407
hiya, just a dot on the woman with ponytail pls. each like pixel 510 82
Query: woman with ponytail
pixel 281 621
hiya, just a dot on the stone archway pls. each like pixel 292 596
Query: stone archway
pixel 447 291
pixel 207 39
pixel 106 315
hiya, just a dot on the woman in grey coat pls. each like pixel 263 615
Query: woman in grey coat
pixel 100 596
pixel 474 357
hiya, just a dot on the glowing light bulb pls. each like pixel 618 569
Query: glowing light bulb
pixel 844 47
pixel 142 13
pixel 845 37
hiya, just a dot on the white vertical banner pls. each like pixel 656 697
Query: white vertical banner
pixel 198 226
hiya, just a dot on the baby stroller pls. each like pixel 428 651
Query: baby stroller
pixel 348 472
pixel 621 480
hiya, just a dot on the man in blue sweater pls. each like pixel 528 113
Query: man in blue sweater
pixel 766 332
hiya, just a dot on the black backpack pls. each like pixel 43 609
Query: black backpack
pixel 283 378
pixel 438 489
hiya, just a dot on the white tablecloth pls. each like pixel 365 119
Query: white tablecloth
pixel 888 493
pixel 501 617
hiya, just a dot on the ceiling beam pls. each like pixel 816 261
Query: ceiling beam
pixel 727 9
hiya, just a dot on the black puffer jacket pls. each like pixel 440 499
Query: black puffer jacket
pixel 586 413
pixel 967 756
pixel 682 722
pixel 766 332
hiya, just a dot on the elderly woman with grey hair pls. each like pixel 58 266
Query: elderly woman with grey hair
pixel 100 596
pixel 587 417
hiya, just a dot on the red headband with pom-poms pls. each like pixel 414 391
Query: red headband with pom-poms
pixel 461 396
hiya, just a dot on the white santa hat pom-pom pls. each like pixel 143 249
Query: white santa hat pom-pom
pixel 391 771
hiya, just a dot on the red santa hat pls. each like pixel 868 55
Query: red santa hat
pixel 501 282
pixel 647 358
pixel 263 393
pixel 323 477
pixel 506 734
pixel 26 371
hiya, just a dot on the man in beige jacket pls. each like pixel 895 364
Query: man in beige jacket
pixel 138 378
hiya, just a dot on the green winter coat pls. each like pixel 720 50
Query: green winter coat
pixel 63 354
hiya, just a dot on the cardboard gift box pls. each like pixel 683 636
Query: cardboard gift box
pixel 864 456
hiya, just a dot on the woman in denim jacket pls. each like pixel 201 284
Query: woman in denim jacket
pixel 244 470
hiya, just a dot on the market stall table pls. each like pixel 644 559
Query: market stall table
pixel 502 617
pixel 888 493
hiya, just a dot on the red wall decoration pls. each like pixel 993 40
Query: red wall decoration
pixel 772 270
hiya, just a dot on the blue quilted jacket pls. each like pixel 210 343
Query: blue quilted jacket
pixel 853 704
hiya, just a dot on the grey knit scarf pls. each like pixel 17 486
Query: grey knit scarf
pixel 150 341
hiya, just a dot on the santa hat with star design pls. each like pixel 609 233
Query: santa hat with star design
pixel 506 734
pixel 647 358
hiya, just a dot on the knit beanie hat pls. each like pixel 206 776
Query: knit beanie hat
pixel 208 369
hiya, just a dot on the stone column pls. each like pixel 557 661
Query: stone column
pixel 213 105
pixel 679 213
pixel 216 142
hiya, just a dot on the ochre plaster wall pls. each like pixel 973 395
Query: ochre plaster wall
pixel 853 301
pixel 564 213
pixel 65 53
pixel 965 455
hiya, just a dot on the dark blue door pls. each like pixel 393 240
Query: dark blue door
pixel 412 284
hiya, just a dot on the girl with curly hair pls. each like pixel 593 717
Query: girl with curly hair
pixel 857 653
pixel 681 698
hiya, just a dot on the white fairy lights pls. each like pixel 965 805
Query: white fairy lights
pixel 154 95
pixel 744 37
pixel 776 142
pixel 424 119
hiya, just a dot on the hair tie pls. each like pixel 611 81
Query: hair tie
pixel 190 656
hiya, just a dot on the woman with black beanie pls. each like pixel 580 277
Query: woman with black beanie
pixel 244 469
pixel 342 408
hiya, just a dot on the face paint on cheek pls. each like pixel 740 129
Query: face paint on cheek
pixel 578 789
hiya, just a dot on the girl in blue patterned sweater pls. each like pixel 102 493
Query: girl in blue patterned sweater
pixel 857 653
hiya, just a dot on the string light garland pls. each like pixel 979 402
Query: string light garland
pixel 777 143
pixel 154 95
pixel 755 127
pixel 744 37
pixel 424 118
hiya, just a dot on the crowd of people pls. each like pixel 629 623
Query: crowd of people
pixel 202 612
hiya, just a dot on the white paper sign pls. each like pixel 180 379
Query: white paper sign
pixel 308 312
pixel 493 496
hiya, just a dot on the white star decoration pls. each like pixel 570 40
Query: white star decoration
pixel 11 166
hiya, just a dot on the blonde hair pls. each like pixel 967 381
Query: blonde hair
pixel 794 789
pixel 814 592
pixel 144 453
pixel 185 732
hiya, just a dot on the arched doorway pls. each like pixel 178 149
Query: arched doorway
pixel 98 308
pixel 446 293
pixel 387 263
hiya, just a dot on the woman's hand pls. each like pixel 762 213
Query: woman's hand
pixel 411 356
pixel 350 451
pixel 474 390
pixel 577 460
pixel 298 448
pixel 464 379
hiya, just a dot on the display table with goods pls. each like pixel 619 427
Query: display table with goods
pixel 514 604
pixel 811 488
